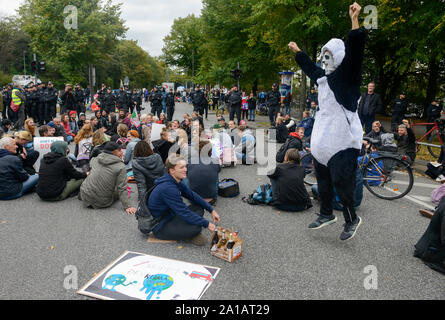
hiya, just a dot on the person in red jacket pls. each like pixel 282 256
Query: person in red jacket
pixel 66 125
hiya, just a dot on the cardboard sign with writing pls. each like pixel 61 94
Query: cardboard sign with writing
pixel 43 146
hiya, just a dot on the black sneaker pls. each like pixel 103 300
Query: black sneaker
pixel 322 221
pixel 350 229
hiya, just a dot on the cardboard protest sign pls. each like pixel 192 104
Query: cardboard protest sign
pixel 137 276
pixel 43 146
pixel 156 130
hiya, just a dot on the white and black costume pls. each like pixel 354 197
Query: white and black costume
pixel 337 134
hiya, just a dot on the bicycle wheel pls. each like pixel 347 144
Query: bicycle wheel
pixel 435 152
pixel 308 164
pixel 388 178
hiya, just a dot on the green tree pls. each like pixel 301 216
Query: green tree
pixel 99 26
pixel 182 46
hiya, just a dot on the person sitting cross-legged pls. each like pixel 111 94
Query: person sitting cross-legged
pixel 14 180
pixel 107 180
pixel 289 192
pixel 58 179
pixel 147 167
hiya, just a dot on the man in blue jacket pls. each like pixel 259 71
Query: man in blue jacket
pixel 179 221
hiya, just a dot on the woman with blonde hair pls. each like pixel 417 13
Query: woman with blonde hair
pixel 99 141
pixel 30 126
pixel 84 144
pixel 121 137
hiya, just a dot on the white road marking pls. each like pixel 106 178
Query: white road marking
pixel 417 184
pixel 422 198
pixel 423 204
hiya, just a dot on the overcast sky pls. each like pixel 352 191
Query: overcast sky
pixel 149 21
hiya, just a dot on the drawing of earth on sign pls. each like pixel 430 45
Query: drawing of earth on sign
pixel 153 278
pixel 116 280
pixel 156 284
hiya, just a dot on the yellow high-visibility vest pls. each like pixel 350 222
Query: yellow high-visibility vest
pixel 15 98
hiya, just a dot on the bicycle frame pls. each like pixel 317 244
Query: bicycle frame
pixel 434 128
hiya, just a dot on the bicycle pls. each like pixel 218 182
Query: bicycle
pixel 436 131
pixel 384 173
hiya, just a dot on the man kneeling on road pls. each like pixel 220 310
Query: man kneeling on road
pixel 179 222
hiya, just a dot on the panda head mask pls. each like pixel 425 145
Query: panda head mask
pixel 332 55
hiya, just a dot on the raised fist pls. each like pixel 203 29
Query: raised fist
pixel 354 10
pixel 293 46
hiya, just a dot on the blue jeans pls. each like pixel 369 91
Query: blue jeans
pixel 252 114
pixel 27 185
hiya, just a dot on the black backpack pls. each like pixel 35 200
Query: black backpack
pixel 146 222
pixel 228 188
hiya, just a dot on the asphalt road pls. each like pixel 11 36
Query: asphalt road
pixel 282 258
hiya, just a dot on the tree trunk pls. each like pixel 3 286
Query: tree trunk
pixel 303 82
pixel 431 90
pixel 255 87
pixel 314 58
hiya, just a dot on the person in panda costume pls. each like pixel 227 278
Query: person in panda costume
pixel 337 134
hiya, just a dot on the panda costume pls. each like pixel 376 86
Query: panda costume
pixel 337 134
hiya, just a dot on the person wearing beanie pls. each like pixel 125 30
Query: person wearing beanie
pixel 58 178
pixel 107 180
pixel 335 148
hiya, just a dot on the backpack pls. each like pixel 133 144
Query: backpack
pixel 282 152
pixel 228 188
pixel 146 222
pixel 262 196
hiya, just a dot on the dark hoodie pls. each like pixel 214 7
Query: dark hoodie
pixel 146 170
pixel 293 142
pixel 162 147
pixel 55 171
pixel 167 197
pixel 12 174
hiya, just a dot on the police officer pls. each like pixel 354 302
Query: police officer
pixel 6 101
pixel 102 92
pixel 33 103
pixel 273 100
pixel 234 98
pixel 129 94
pixel 51 102
pixel 68 103
pixel 136 101
pixel 170 104
pixel 27 93
pixel 109 102
pixel 122 100
pixel 156 100
pixel 41 92
pixel 198 100
pixel 79 98
pixel 399 108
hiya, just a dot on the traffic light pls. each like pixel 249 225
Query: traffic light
pixel 42 66
pixel 34 66
pixel 236 73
